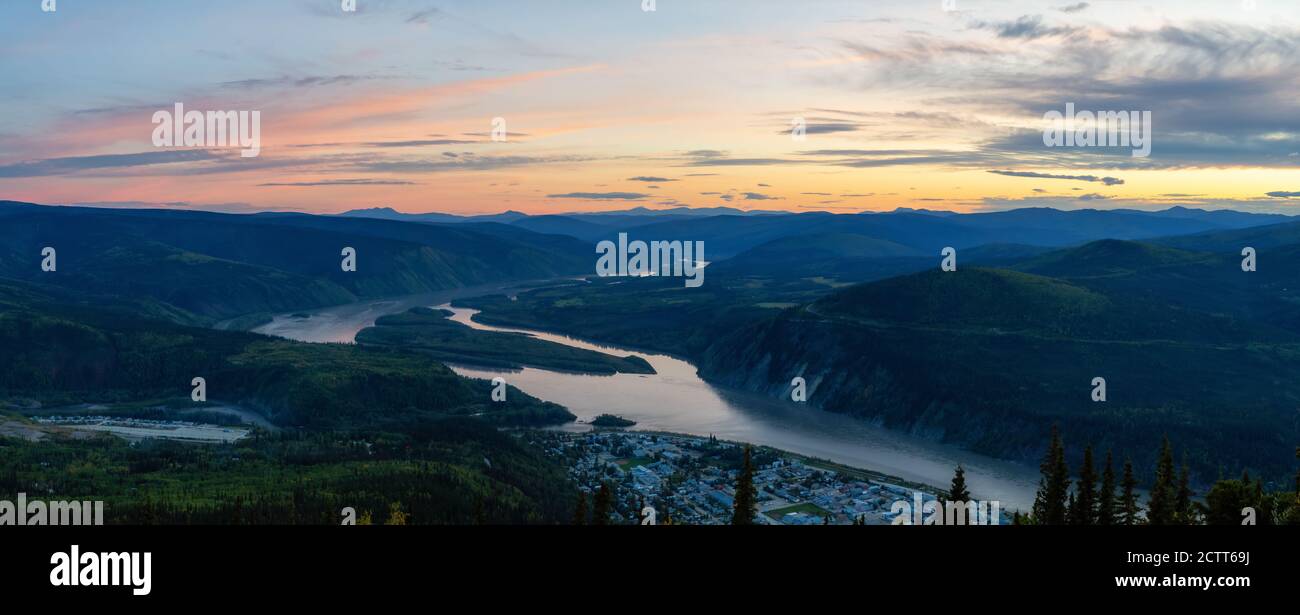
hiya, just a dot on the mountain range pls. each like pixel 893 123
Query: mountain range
pixel 212 266
pixel 989 356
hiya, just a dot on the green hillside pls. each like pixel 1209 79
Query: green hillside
pixel 392 434
pixel 1176 280
pixel 65 354
pixel 1112 257
pixel 992 358
pixel 218 266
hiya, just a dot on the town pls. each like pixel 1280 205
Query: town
pixel 691 480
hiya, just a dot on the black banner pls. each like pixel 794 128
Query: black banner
pixel 321 564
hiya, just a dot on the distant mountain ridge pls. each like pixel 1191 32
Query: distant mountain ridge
pixel 510 216
pixel 728 232
pixel 216 266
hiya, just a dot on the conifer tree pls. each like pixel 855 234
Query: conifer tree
pixel 1183 513
pixel 1128 501
pixel 600 510
pixel 1106 496
pixel 1084 511
pixel 580 514
pixel 1160 508
pixel 1263 504
pixel 958 493
pixel 1050 506
pixel 746 505
pixel 1225 501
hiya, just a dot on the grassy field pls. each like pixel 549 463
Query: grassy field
pixel 627 465
pixel 807 508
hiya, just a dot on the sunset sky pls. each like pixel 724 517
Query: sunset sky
pixel 609 106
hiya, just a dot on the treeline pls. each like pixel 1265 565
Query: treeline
pixel 433 333
pixel 61 355
pixel 449 471
pixel 1100 496
pixel 392 435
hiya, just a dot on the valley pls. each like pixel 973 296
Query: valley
pixel 910 371
pixel 674 399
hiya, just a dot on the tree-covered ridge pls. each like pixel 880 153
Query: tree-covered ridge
pixel 995 389
pixel 1011 302
pixel 439 471
pixel 211 267
pixel 431 332
pixel 391 434
pixel 66 354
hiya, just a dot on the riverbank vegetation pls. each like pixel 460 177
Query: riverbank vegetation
pixel 432 333
pixel 360 427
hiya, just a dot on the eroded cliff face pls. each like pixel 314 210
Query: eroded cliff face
pixel 999 391
pixel 861 371
pixel 942 385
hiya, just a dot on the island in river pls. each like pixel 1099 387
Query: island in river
pixel 431 332
pixel 610 420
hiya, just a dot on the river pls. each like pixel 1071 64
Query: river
pixel 675 399
pixel 341 323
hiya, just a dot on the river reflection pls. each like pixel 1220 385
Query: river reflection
pixel 675 399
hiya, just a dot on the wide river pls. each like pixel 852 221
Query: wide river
pixel 675 399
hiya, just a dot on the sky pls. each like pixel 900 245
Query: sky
pixel 917 104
